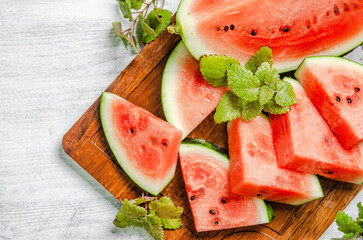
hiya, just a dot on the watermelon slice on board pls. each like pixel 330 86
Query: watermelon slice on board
pixel 205 170
pixel 145 146
pixel 186 97
pixel 292 29
pixel 254 171
pixel 304 142
pixel 335 86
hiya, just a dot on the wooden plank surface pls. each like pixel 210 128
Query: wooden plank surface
pixel 140 83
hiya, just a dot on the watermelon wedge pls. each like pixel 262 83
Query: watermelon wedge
pixel 187 98
pixel 254 171
pixel 292 29
pixel 335 86
pixel 205 170
pixel 145 146
pixel 305 143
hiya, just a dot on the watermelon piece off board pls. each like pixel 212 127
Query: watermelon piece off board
pixel 187 98
pixel 205 169
pixel 292 29
pixel 145 146
pixel 335 86
pixel 254 171
pixel 305 143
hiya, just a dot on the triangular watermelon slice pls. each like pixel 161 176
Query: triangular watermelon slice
pixel 335 86
pixel 304 142
pixel 145 146
pixel 187 98
pixel 254 171
pixel 205 169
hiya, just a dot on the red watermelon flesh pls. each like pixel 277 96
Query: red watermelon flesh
pixel 187 98
pixel 292 29
pixel 335 86
pixel 214 207
pixel 254 171
pixel 305 143
pixel 145 146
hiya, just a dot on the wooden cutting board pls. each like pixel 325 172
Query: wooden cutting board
pixel 140 84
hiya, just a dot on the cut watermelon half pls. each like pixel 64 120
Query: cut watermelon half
pixel 254 171
pixel 335 86
pixel 205 170
pixel 305 143
pixel 187 98
pixel 292 29
pixel 145 146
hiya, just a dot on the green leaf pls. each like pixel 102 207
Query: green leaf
pixel 349 235
pixel 174 223
pixel 147 30
pixel 266 94
pixel 214 69
pixel 125 7
pixel 273 108
pixel 266 74
pixel 243 83
pixel 261 56
pixel 136 4
pixel 229 107
pixel 158 26
pixel 346 224
pixel 360 211
pixel 251 110
pixel 154 226
pixel 169 214
pixel 128 213
pixel 285 95
pixel 142 200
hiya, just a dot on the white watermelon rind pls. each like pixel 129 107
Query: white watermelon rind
pixel 185 25
pixel 266 213
pixel 146 183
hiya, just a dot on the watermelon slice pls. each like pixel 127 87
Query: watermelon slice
pixel 145 146
pixel 335 86
pixel 254 171
pixel 205 170
pixel 292 29
pixel 187 98
pixel 304 142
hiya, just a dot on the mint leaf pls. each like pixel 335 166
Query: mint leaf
pixel 174 223
pixel 266 74
pixel 273 108
pixel 261 56
pixel 125 7
pixel 346 224
pixel 349 235
pixel 243 83
pixel 136 4
pixel 142 200
pixel 266 94
pixel 229 107
pixel 169 214
pixel 128 213
pixel 360 211
pixel 214 69
pixel 251 111
pixel 147 30
pixel 158 21
pixel 285 95
pixel 154 226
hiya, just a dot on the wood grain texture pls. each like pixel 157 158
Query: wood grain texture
pixel 140 84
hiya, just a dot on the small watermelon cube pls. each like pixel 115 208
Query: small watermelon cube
pixel 254 171
pixel 305 143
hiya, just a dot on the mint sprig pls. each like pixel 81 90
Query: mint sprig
pixel 156 215
pixel 145 26
pixel 351 228
pixel 252 88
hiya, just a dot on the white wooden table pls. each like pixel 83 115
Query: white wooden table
pixel 56 57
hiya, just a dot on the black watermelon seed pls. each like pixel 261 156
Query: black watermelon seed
pixel 223 200
pixel 259 194
pixel 349 100
pixel 338 99
pixel 253 32
pixel 330 172
pixel 357 89
pixel 225 28
pixel 165 144
pixel 212 212
pixel 232 27
pixel 132 130
pixel 308 26
pixel 216 223
pixel 285 29
pixel 336 10
pixel 192 198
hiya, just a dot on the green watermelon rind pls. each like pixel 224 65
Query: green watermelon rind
pixel 222 155
pixel 291 65
pixel 120 153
